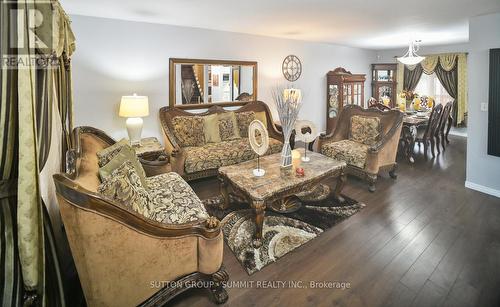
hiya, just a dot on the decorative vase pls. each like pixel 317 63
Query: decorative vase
pixel 288 102
pixel 409 104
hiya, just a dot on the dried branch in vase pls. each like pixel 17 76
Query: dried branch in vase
pixel 288 103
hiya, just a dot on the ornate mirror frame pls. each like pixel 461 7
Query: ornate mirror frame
pixel 172 82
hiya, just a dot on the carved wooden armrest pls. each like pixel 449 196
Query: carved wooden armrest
pixel 375 148
pixel 212 222
pixel 275 133
pixel 94 202
pixel 176 152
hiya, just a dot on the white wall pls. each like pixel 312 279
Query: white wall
pixel 483 171
pixel 115 58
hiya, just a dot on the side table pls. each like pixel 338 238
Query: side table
pixel 153 157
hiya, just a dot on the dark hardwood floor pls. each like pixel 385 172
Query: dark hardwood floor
pixel 422 240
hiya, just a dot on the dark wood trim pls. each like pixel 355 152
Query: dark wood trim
pixel 172 80
pixel 209 105
pixel 214 282
pixel 392 84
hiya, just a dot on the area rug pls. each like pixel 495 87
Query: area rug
pixel 282 233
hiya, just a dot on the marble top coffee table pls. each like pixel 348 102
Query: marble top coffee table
pixel 273 187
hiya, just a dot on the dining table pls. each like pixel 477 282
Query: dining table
pixel 412 121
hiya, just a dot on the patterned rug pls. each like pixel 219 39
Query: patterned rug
pixel 282 233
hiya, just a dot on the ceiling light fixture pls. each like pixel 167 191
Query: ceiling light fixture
pixel 411 57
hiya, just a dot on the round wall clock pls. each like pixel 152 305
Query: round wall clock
pixel 292 68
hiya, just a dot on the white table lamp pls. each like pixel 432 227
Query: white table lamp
pixel 134 107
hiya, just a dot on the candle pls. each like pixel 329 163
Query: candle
pixel 299 172
pixel 295 159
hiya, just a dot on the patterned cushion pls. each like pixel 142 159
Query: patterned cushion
pixel 364 129
pixel 353 153
pixel 105 155
pixel 124 186
pixel 126 153
pixel 244 119
pixel 189 130
pixel 215 155
pixel 228 127
pixel 173 200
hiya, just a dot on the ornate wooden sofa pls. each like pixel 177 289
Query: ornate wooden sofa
pixel 204 161
pixel 365 159
pixel 123 258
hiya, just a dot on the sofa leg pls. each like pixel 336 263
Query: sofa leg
pixel 371 182
pixel 218 280
pixel 392 172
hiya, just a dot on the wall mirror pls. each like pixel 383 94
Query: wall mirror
pixel 196 83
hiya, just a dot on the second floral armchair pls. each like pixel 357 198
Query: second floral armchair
pixel 367 140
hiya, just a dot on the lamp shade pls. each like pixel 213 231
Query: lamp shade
pixel 134 106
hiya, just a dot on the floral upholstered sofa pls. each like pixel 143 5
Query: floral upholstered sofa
pixel 199 144
pixel 128 230
pixel 366 139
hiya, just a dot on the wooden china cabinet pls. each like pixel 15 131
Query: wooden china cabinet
pixel 384 82
pixel 342 88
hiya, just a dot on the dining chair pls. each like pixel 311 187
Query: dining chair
pixel 441 130
pixel 426 136
pixel 450 122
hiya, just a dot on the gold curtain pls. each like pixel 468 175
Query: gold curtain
pixel 11 290
pixel 400 78
pixel 462 99
pixel 37 88
pixel 29 208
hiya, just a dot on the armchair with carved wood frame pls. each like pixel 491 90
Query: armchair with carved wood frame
pixel 379 156
pixel 123 258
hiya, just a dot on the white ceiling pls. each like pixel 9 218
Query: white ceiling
pixel 373 24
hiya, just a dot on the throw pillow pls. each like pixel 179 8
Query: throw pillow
pixel 211 128
pixel 262 117
pixel 189 130
pixel 125 154
pixel 365 129
pixel 124 186
pixel 244 119
pixel 105 155
pixel 228 127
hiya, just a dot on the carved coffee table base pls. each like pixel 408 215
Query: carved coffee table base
pixel 259 206
pixel 276 190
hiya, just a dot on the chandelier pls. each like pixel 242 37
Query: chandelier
pixel 411 57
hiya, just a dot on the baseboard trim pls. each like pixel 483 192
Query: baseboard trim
pixel 482 188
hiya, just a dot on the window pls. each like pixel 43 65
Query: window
pixel 429 85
